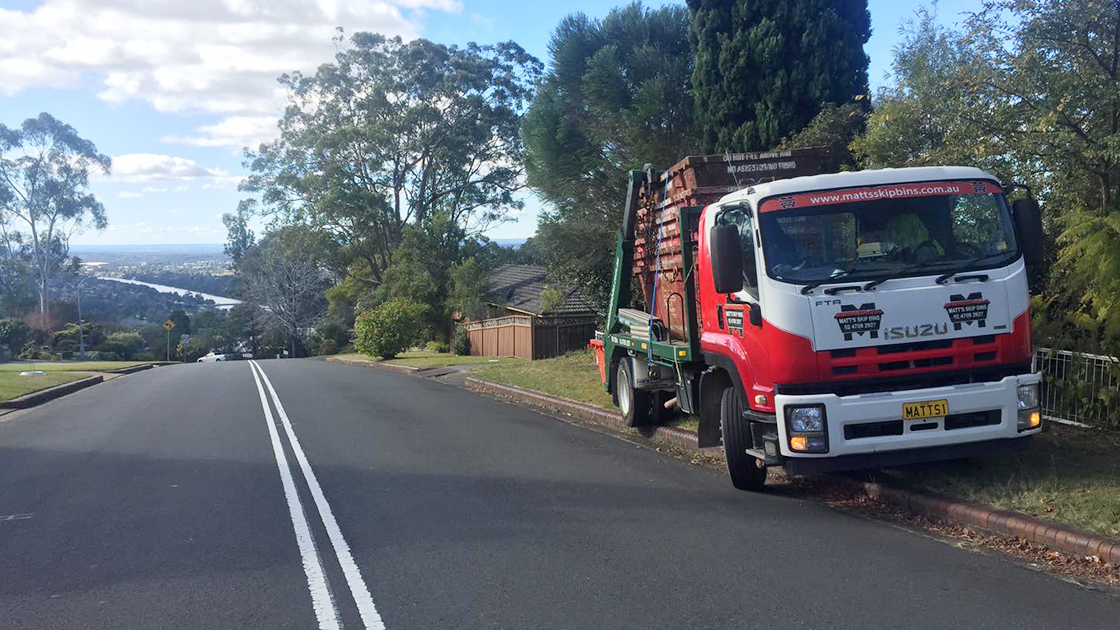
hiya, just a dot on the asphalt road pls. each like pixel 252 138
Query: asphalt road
pixel 156 501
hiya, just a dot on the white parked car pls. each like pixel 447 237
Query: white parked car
pixel 211 357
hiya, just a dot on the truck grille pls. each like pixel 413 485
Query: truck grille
pixel 910 358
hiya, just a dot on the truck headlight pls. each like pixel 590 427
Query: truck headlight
pixel 806 419
pixel 1028 396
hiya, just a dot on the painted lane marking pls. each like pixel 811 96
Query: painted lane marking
pixel 321 599
pixel 358 588
pixel 16 517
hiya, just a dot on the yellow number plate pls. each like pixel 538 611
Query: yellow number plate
pixel 925 409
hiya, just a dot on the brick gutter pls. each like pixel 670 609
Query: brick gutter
pixel 924 503
pixel 44 395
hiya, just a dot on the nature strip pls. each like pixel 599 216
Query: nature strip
pixel 44 395
pixel 920 502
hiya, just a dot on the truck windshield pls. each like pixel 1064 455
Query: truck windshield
pixel 885 231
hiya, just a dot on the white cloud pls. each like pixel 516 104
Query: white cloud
pixel 234 132
pixel 153 167
pixel 129 195
pixel 205 56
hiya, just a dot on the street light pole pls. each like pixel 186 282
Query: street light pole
pixel 81 324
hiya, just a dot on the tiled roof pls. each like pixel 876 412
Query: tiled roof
pixel 520 287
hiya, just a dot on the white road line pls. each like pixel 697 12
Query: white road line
pixel 321 600
pixel 358 588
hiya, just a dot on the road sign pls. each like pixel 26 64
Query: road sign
pixel 184 339
pixel 168 325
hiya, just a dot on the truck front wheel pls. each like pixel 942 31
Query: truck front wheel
pixel 745 472
pixel 633 403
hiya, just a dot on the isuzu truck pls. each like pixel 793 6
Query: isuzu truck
pixel 825 322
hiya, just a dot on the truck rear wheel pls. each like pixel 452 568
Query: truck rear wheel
pixel 634 403
pixel 745 472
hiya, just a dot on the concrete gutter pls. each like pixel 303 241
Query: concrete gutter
pixel 44 395
pixel 130 370
pixel 384 365
pixel 969 513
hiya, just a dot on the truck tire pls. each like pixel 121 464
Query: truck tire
pixel 634 404
pixel 745 472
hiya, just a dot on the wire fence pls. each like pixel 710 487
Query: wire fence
pixel 1080 387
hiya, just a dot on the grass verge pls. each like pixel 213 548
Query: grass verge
pixel 12 385
pixel 67 366
pixel 573 376
pixel 1067 474
pixel 425 359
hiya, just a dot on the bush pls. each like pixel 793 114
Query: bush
pixel 388 329
pixel 129 342
pixel 328 347
pixel 435 346
pixel 461 341
pixel 98 355
pixel 15 333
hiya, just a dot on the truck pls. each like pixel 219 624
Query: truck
pixel 824 322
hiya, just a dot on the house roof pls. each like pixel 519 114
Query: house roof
pixel 520 286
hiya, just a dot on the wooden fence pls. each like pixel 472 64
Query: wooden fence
pixel 529 337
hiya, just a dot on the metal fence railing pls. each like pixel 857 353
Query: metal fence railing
pixel 1080 387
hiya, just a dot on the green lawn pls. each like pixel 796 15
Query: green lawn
pixel 573 376
pixel 1067 474
pixel 12 385
pixel 425 359
pixel 67 366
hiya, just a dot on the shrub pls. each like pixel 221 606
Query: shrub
pixel 435 346
pixel 15 333
pixel 388 329
pixel 98 355
pixel 461 341
pixel 328 347
pixel 129 342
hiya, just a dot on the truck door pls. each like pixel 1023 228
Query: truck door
pixel 742 312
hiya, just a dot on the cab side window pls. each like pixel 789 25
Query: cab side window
pixel 740 218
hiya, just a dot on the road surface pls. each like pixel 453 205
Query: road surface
pixel 172 498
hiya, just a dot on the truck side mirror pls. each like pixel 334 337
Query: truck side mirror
pixel 727 259
pixel 1028 223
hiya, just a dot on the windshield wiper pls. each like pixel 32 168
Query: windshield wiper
pixel 844 273
pixel 901 272
pixel 966 266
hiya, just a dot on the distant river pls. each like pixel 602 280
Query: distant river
pixel 222 302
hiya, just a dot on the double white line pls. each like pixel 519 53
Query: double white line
pixel 325 609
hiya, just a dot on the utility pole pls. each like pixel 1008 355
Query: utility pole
pixel 81 324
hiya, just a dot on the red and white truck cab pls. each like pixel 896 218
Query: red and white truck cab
pixel 850 320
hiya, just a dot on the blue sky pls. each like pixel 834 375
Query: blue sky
pixel 173 90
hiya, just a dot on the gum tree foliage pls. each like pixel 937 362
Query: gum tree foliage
pixel 764 68
pixel 393 133
pixel 617 96
pixel 44 175
pixel 1030 91
pixel 286 276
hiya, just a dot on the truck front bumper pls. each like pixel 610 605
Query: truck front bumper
pixel 868 430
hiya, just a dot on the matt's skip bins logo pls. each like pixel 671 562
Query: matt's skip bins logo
pixel 967 310
pixel 857 320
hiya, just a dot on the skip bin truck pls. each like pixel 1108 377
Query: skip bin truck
pixel 824 322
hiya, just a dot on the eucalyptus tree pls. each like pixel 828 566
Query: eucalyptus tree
pixel 392 133
pixel 45 168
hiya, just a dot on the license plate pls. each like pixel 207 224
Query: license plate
pixel 925 409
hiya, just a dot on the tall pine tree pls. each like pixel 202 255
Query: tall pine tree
pixel 764 68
